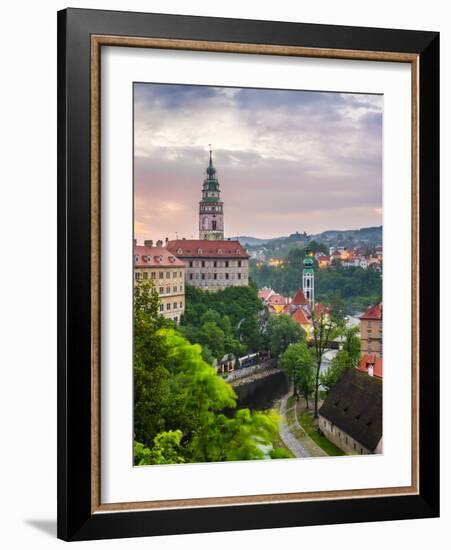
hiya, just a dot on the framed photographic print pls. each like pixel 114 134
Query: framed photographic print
pixel 248 274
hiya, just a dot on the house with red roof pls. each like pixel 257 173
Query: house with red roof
pixel 166 272
pixel 371 365
pixel 212 264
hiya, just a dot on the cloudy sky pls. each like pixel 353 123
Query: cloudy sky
pixel 286 160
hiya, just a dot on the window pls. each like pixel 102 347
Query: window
pixel 215 264
pixel 160 275
pixel 239 275
pixel 161 307
pixel 168 274
pixel 181 274
pixel 239 263
pixel 215 276
pixel 191 264
pixel 174 274
pixel 181 305
pixel 203 276
pixel 179 251
pixel 181 288
pixel 176 319
pixel 227 263
pixel 199 251
pixel 213 225
pixel 202 264
pixel 226 275
pixel 168 306
pixel 174 305
pixel 174 289
pixel 161 290
pixel 191 276
pixel 145 274
pixel 153 274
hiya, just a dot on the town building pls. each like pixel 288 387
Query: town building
pixel 371 331
pixel 351 415
pixel 166 272
pixel 371 365
pixel 323 261
pixel 211 208
pixel 211 264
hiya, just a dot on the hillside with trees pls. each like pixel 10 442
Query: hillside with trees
pixel 355 288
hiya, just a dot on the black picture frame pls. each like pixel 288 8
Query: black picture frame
pixel 75 518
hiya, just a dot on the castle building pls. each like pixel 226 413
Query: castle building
pixel 308 280
pixel 212 265
pixel 167 274
pixel 211 208
pixel 212 262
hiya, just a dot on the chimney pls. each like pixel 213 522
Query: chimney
pixel 370 369
pixel 166 241
pixel 135 241
pixel 148 243
pixel 159 243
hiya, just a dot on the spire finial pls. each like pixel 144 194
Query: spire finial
pixel 209 148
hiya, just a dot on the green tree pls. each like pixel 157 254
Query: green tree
pixel 283 331
pixel 166 450
pixel 324 330
pixel 298 362
pixel 347 357
pixel 151 377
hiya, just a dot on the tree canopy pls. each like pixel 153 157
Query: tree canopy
pixel 180 402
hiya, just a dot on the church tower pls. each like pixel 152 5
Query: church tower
pixel 211 222
pixel 308 280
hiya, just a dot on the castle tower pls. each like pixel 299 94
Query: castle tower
pixel 211 222
pixel 308 279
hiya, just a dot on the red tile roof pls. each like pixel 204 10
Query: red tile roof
pixel 264 293
pixel 145 256
pixel 277 300
pixel 184 248
pixel 373 313
pixel 320 308
pixel 300 317
pixel 371 360
pixel 299 298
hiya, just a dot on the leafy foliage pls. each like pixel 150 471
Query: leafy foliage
pixel 283 331
pixel 223 322
pixel 347 357
pixel 179 399
pixel 298 362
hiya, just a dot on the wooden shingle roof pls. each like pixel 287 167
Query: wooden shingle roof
pixel 354 405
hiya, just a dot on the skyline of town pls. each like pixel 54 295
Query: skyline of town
pixel 343 180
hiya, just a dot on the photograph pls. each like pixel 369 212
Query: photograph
pixel 257 274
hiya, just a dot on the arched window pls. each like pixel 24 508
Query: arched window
pixel 179 251
pixel 199 250
pixel 219 251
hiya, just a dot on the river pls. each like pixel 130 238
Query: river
pixel 262 393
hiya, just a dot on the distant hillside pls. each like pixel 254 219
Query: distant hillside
pixel 365 236
pixel 250 241
pixel 370 235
